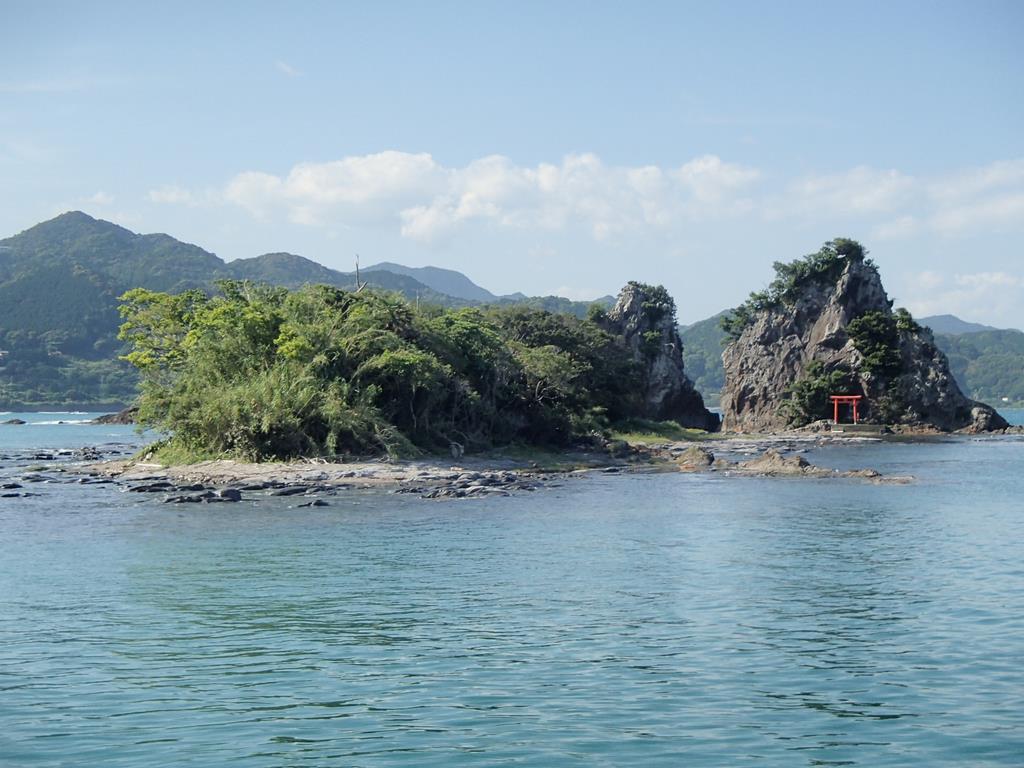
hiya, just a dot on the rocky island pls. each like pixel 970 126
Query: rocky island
pixel 826 326
pixel 644 318
pixel 259 373
pixel 275 389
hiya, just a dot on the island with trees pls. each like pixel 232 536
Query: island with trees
pixel 258 372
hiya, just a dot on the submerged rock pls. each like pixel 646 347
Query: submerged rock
pixel 695 459
pixel 291 490
pixel 771 462
pixel 774 463
pixel 14 421
pixel 158 487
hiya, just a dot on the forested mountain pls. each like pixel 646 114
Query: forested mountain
pixel 59 283
pixel 702 353
pixel 953 325
pixel 291 271
pixel 445 281
pixel 61 279
pixel 988 364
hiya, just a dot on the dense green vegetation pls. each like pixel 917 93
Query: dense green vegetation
pixel 34 373
pixel 556 304
pixel 809 397
pixel 259 372
pixel 824 267
pixel 59 283
pixel 702 354
pixel 876 336
pixel 989 365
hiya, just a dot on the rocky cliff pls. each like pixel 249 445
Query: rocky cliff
pixel 644 317
pixel 826 326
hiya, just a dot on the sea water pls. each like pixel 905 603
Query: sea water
pixel 56 430
pixel 632 620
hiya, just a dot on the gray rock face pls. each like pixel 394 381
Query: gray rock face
pixel 774 350
pixel 645 318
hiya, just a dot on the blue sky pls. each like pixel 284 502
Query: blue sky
pixel 538 147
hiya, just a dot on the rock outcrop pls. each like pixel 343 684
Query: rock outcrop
pixel 644 317
pixel 773 463
pixel 127 416
pixel 794 345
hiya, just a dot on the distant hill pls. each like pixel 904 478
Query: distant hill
pixel 951 324
pixel 60 282
pixel 989 365
pixel 292 271
pixel 64 276
pixel 446 281
pixel 702 354
pixel 282 269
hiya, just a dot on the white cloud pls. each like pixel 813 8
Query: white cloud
pixel 99 198
pixel 710 179
pixel 889 204
pixel 898 228
pixel 365 179
pixel 174 194
pixel 254 191
pixel 993 297
pixel 367 188
pixel 857 192
pixel 427 200
pixel 966 185
pixel 415 196
pixel 286 68
pixel 995 212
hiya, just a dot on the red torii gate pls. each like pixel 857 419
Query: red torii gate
pixel 838 400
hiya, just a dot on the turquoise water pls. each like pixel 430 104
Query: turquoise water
pixel 59 430
pixel 639 620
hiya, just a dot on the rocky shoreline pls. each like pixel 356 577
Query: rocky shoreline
pixel 226 480
pixel 317 483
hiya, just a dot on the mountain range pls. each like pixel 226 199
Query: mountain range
pixel 60 281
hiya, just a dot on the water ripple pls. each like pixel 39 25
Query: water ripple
pixel 651 621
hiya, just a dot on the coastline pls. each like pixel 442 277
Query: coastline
pixel 777 455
